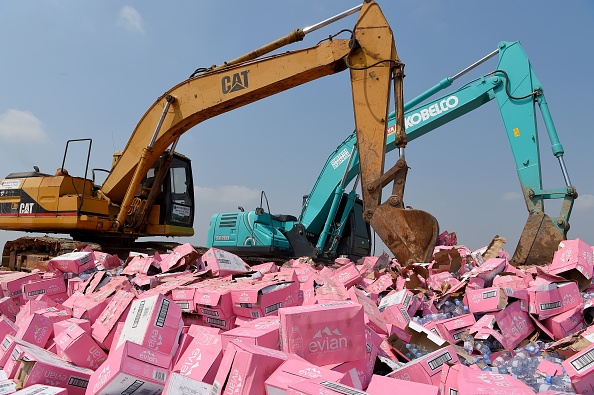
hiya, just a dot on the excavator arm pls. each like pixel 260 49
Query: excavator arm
pixel 517 92
pixel 375 68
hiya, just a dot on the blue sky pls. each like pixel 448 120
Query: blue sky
pixel 73 69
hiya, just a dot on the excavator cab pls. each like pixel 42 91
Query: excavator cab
pixel 175 195
pixel 179 193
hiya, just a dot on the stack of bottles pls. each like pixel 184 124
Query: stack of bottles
pixel 455 309
pixel 447 310
pixel 523 364
pixel 415 351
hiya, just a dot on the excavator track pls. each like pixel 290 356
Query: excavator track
pixel 29 253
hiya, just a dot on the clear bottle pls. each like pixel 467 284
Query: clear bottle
pixel 468 340
pixel 487 359
pixel 482 347
pixel 417 351
pixel 459 308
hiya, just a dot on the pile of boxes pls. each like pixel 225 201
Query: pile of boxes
pixel 210 324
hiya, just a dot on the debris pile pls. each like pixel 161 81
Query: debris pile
pixel 191 323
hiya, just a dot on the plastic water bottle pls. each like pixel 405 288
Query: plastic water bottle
pixel 468 342
pixel 459 308
pixel 417 351
pixel 561 383
pixel 482 347
pixel 487 359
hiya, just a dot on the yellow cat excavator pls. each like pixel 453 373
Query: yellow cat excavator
pixel 149 189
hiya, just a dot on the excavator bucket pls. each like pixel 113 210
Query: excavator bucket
pixel 410 234
pixel 538 242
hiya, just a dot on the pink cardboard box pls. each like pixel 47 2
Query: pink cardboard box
pixel 194 330
pixel 329 290
pixel 130 368
pixel 303 270
pixel 183 255
pixel 59 298
pixel 56 316
pixel 507 280
pixel 382 385
pixel 44 287
pixel 260 298
pixel 427 369
pixel 78 347
pixel 89 307
pixel 36 329
pixel 40 389
pixel 7 327
pixel 39 366
pixel 12 284
pixel 103 329
pixel 264 268
pixel 548 368
pixel 259 334
pixel 442 280
pixel 488 270
pixel 474 381
pixel 184 343
pixel 6 348
pixel 145 265
pixel 580 368
pixel 91 284
pixel 321 386
pixel 373 316
pixel 222 263
pixel 244 369
pixel 547 300
pixel 224 324
pixel 307 293
pixel 214 299
pixel 8 308
pixel 567 323
pixel 105 261
pixel 293 371
pixel 202 358
pixel 486 300
pixel 348 275
pixel 574 260
pixel 403 298
pixel 184 297
pixel 63 325
pixel 358 373
pixel 324 334
pixel 8 386
pixel 399 321
pixel 452 328
pixel 448 384
pixel 381 284
pixel 283 276
pixel 30 307
pixel 154 322
pixel 73 262
pixel 420 336
pixel 515 325
pixel 14 361
pixel 73 285
pixel 178 384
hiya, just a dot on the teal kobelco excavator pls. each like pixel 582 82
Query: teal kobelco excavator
pixel 331 222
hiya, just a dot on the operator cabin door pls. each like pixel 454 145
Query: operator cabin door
pixel 179 205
